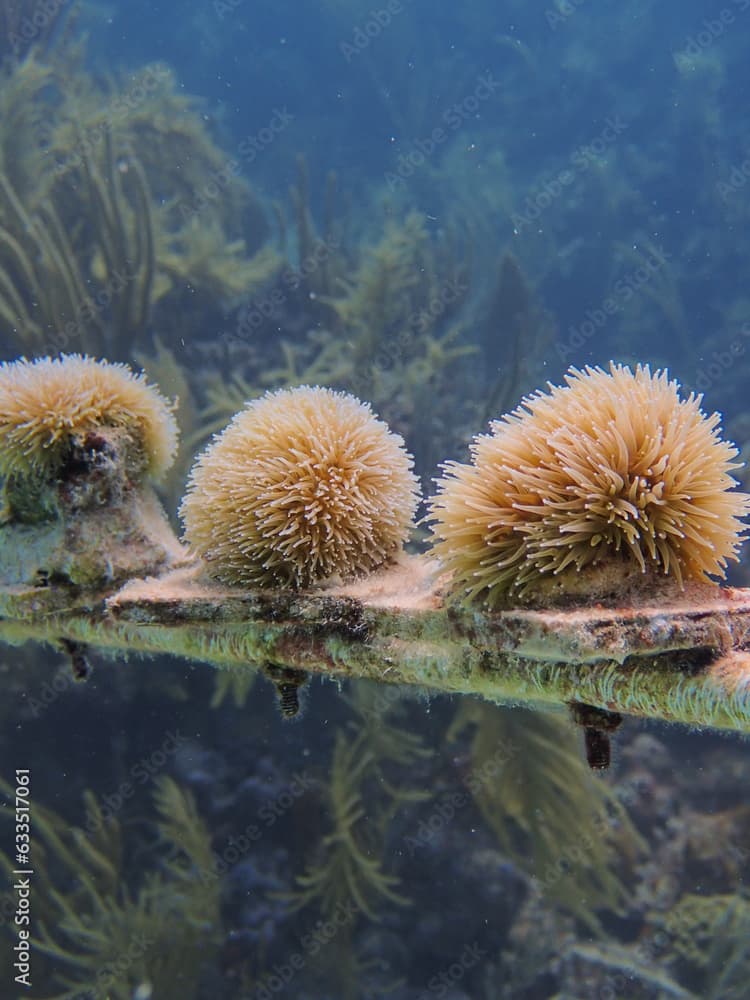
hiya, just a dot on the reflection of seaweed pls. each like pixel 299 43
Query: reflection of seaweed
pixel 348 867
pixel 389 745
pixel 548 812
pixel 104 941
pixel 237 683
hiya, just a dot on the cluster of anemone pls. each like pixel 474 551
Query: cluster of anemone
pixel 612 468
pixel 303 485
pixel 80 442
pixel 50 405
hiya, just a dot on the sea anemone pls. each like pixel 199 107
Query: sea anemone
pixel 304 484
pixel 50 406
pixel 612 472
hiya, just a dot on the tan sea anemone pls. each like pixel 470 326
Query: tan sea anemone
pixel 613 469
pixel 303 485
pixel 50 405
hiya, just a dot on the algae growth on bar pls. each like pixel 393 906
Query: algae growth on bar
pixel 575 561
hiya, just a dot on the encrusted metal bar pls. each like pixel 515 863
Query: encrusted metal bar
pixel 683 660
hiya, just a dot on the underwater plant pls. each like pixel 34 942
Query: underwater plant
pixel 237 683
pixel 348 866
pixel 386 736
pixel 105 937
pixel 106 210
pixel 377 315
pixel 302 485
pixel 710 938
pixel 27 26
pixel 547 811
pixel 588 487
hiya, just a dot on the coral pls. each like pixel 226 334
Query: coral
pixel 51 405
pixel 302 485
pixel 610 475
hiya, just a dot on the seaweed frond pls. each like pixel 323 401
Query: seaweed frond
pixel 104 937
pixel 548 812
pixel 348 866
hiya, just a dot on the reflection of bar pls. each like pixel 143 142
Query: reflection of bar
pixel 597 725
pixel 683 660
